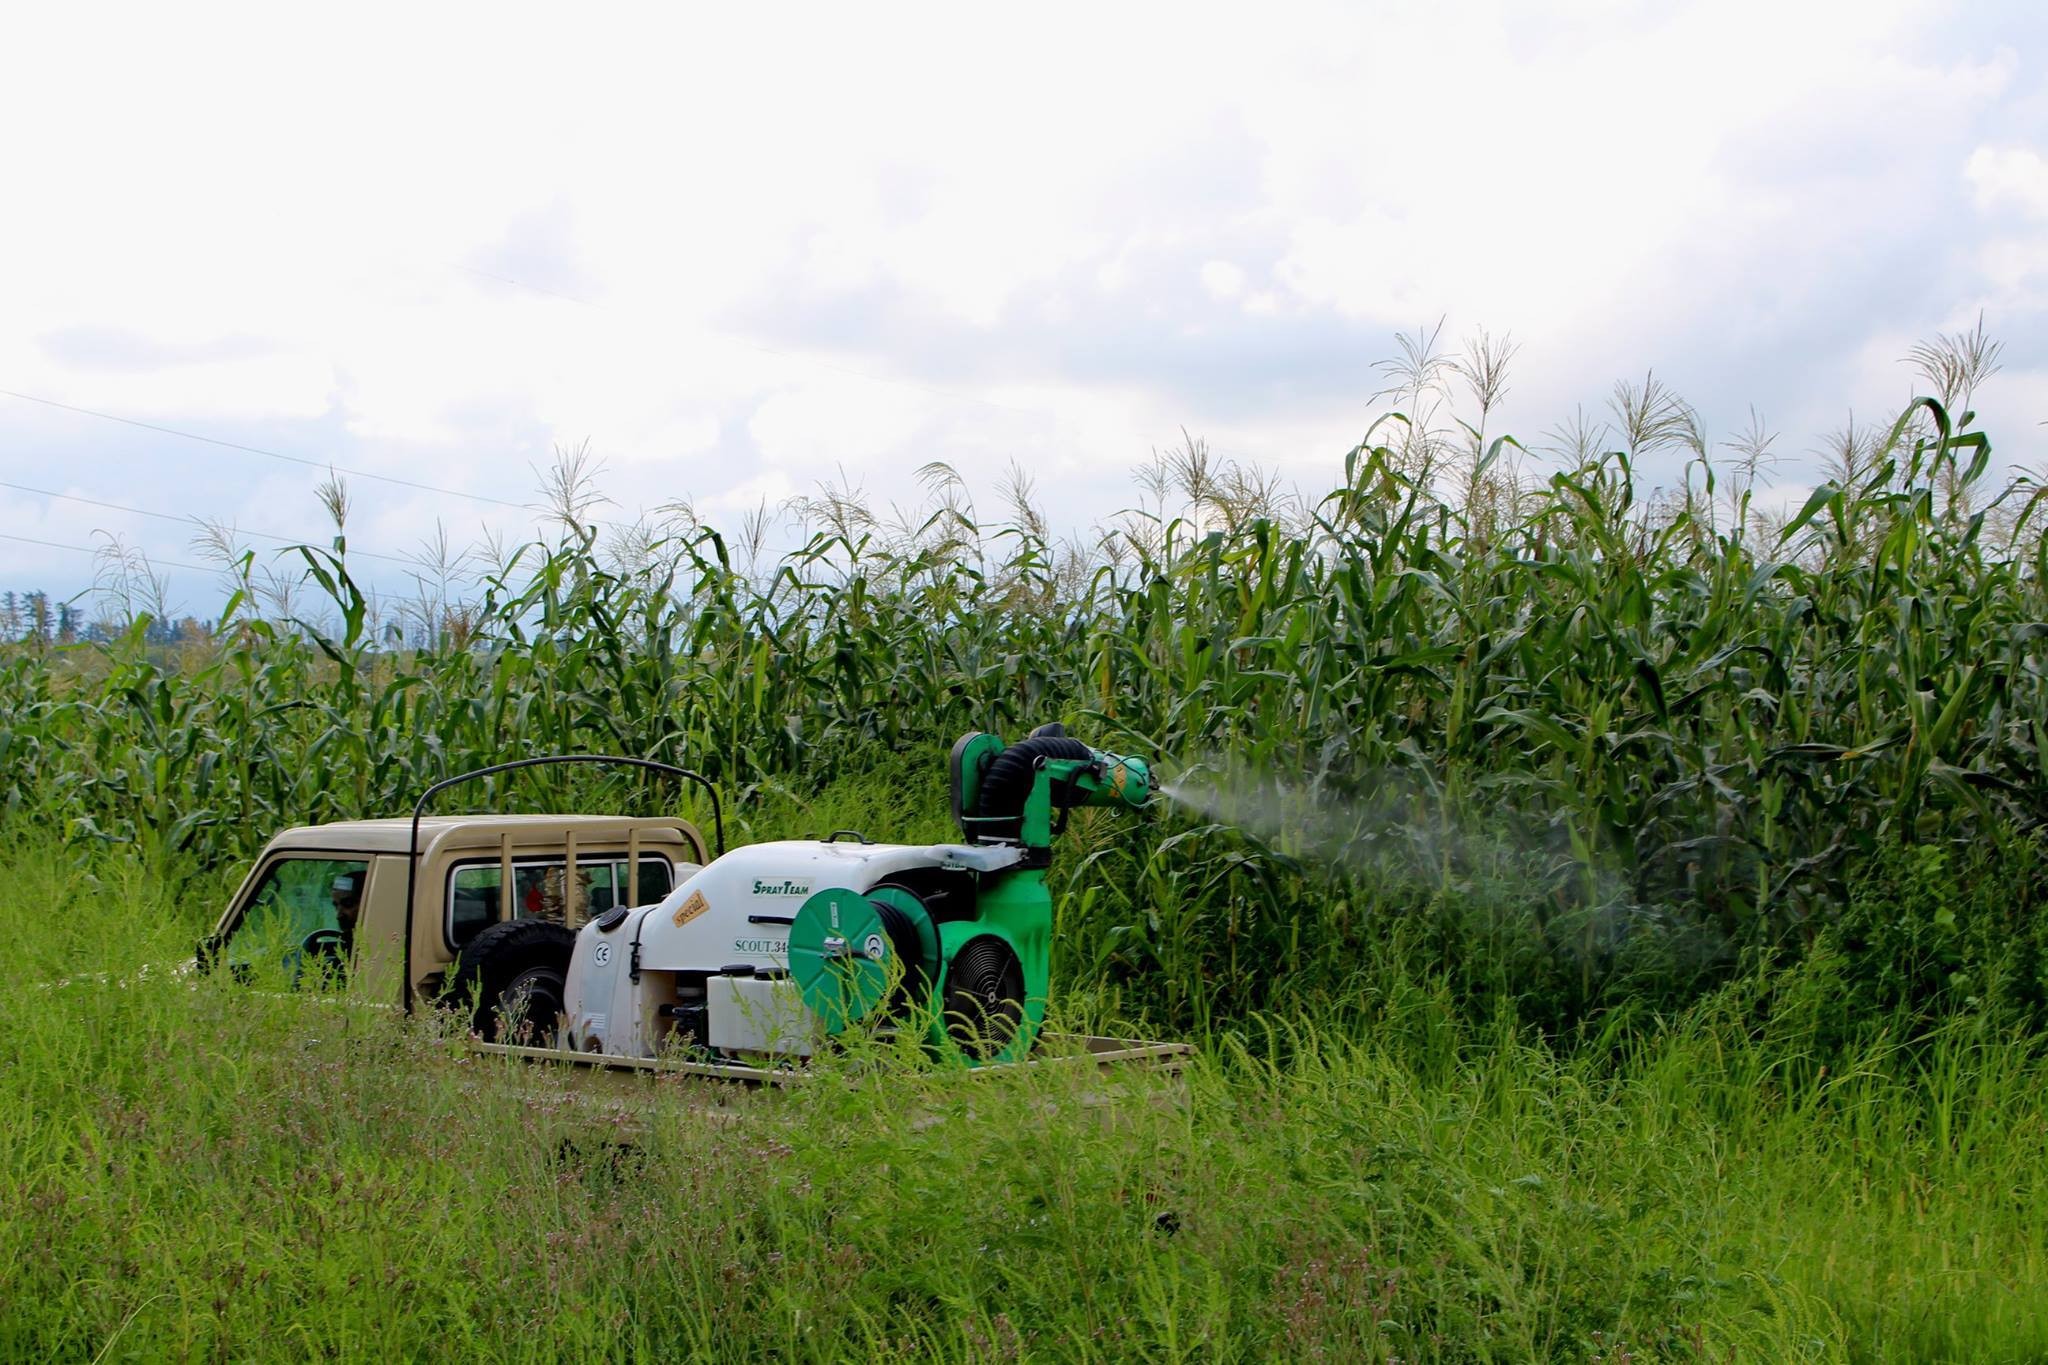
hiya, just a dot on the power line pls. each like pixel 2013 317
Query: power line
pixel 193 521
pixel 269 454
pixel 369 589
pixel 90 550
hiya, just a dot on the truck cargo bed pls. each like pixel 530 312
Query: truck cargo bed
pixel 1061 1049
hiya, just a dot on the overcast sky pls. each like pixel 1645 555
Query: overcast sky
pixel 737 249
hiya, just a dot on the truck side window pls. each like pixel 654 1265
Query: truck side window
pixel 537 893
pixel 476 898
pixel 606 885
pixel 472 902
pixel 476 901
pixel 656 879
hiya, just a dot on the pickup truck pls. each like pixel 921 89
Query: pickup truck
pixel 495 901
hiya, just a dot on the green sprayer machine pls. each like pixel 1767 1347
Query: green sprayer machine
pixel 773 949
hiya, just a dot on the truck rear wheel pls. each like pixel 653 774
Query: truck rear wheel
pixel 515 976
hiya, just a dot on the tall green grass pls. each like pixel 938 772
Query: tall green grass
pixel 193 1170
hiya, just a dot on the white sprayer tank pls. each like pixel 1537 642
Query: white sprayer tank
pixel 731 917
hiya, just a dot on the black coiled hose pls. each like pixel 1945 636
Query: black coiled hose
pixel 999 804
pixel 909 950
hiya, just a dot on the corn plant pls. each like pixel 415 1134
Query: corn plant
pixel 1580 721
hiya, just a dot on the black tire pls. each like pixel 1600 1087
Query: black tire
pixel 515 971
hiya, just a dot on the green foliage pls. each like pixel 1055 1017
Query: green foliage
pixel 1931 931
pixel 1575 743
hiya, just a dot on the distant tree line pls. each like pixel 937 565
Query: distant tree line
pixel 27 617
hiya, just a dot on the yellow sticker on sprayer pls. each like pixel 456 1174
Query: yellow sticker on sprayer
pixel 691 908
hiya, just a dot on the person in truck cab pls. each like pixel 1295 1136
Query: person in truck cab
pixel 332 947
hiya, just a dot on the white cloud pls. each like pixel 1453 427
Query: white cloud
pixel 811 431
pixel 248 225
pixel 2015 177
pixel 1222 279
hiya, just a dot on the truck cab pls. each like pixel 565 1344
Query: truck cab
pixel 356 905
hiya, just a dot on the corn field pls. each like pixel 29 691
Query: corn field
pixel 1582 722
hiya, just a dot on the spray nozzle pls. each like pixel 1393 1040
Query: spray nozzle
pixel 1125 781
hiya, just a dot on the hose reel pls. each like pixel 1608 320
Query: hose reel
pixel 855 956
pixel 869 957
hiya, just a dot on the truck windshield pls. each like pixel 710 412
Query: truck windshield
pixel 300 918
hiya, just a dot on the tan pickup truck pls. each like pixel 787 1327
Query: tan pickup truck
pixel 490 899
